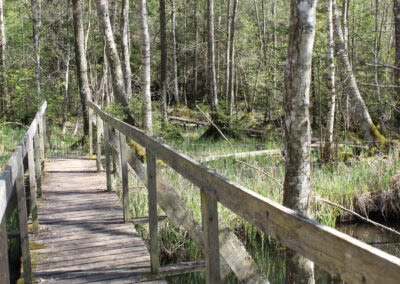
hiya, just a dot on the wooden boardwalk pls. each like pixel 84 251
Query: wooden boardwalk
pixel 82 237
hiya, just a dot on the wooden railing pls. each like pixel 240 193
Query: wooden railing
pixel 336 252
pixel 27 157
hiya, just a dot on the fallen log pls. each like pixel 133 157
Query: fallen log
pixel 188 121
pixel 242 155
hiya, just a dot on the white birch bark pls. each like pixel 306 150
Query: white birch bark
pixel 371 133
pixel 146 94
pixel 297 126
pixel 126 66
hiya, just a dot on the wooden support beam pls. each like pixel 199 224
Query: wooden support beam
pixel 38 166
pixel 98 144
pixel 145 219
pixel 23 217
pixel 107 153
pixel 90 112
pixel 4 268
pixel 153 225
pixel 32 186
pixel 124 177
pixel 209 217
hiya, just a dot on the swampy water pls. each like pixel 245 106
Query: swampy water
pixel 271 260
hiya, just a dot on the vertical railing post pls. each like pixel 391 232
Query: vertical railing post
pixel 107 153
pixel 32 184
pixel 98 150
pixel 209 216
pixel 4 268
pixel 38 166
pixel 153 217
pixel 90 111
pixel 23 216
pixel 124 176
pixel 44 121
pixel 40 142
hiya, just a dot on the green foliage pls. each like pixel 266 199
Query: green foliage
pixel 116 110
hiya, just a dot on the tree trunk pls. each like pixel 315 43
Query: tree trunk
pixel 396 15
pixel 331 82
pixel 146 109
pixel 232 56
pixel 196 48
pixel 67 61
pixel 113 60
pixel 81 62
pixel 228 37
pixel 174 59
pixel 5 99
pixel 370 131
pixel 164 62
pixel 378 34
pixel 36 22
pixel 211 59
pixel 297 126
pixel 126 62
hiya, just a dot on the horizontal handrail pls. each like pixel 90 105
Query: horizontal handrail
pixel 12 192
pixel 332 250
pixel 7 180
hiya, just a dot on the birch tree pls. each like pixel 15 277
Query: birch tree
pixel 212 76
pixel 164 62
pixel 114 61
pixel 331 82
pixel 36 23
pixel 297 126
pixel 81 62
pixel 146 106
pixel 174 56
pixel 370 131
pixel 126 59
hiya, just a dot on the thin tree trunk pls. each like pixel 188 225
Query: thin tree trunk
pixel 196 48
pixel 232 57
pixel 113 59
pixel 211 59
pixel 376 62
pixel 297 126
pixel 146 109
pixel 126 63
pixel 5 99
pixel 228 37
pixel 174 56
pixel 396 15
pixel 164 62
pixel 67 61
pixel 36 22
pixel 331 81
pixel 371 133
pixel 81 62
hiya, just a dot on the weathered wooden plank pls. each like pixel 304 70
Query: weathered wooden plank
pixel 124 178
pixel 38 166
pixel 32 186
pixel 23 217
pixel 209 217
pixel 107 154
pixel 354 260
pixel 152 206
pixel 4 268
pixel 91 242
pixel 98 145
